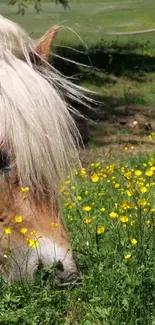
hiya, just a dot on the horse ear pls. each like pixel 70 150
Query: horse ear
pixel 45 44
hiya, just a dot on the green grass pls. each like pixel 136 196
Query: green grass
pixel 118 287
pixel 90 19
pixel 125 91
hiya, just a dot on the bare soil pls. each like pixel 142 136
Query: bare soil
pixel 124 132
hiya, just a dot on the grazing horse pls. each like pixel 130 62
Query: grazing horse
pixel 38 144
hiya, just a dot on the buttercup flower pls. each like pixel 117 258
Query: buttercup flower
pixel 32 243
pixel 8 230
pixel 133 241
pixel 87 208
pixel 100 230
pixel 124 219
pixel 54 224
pixel 128 175
pixel 149 173
pixel 142 202
pixel 94 178
pixel 138 172
pixel 33 232
pixel 143 189
pixel 18 219
pixel 23 231
pixel 25 189
pixel 125 205
pixel 113 215
pixel 68 181
pixel 127 256
pixel 117 185
pixel 87 220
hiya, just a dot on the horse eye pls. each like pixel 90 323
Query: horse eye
pixel 4 161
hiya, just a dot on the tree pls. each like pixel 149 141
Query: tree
pixel 22 5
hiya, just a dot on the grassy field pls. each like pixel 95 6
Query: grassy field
pixel 110 208
pixel 90 19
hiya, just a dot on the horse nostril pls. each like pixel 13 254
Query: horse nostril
pixel 60 266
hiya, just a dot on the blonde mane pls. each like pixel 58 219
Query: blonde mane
pixel 36 126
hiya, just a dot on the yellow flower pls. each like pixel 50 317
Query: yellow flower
pixel 143 189
pixel 113 215
pixel 87 220
pixel 33 232
pixel 68 181
pixel 100 230
pixel 69 205
pixel 87 208
pixel 102 209
pixel 23 231
pixel 18 219
pixel 25 189
pixel 133 241
pixel 79 198
pixel 32 243
pixel 127 256
pixel 62 189
pixel 129 193
pixel 8 230
pixel 138 172
pixel 125 205
pixel 117 185
pixel 149 173
pixel 97 164
pixel 54 224
pixel 83 172
pixel 94 178
pixel 66 193
pixel 124 219
pixel 128 175
pixel 148 222
pixel 142 202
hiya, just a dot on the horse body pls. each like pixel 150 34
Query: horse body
pixel 37 137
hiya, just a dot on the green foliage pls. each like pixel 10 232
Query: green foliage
pixel 22 5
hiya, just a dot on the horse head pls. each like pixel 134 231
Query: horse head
pixel 38 144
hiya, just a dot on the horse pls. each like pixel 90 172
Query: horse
pixel 38 146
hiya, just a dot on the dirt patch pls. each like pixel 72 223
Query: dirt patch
pixel 124 134
pixel 136 120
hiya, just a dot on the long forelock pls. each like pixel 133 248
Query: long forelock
pixel 35 122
